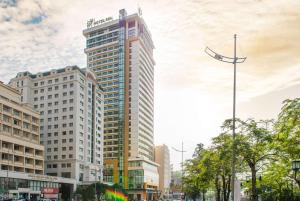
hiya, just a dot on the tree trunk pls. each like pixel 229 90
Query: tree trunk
pixel 228 187
pixel 218 189
pixel 224 187
pixel 253 183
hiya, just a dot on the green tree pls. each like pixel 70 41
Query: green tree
pixel 86 192
pixel 288 133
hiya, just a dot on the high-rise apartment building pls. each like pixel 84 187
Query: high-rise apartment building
pixel 20 149
pixel 70 103
pixel 120 52
pixel 162 157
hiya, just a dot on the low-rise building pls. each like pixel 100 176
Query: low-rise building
pixel 22 155
pixel 143 179
pixel 162 157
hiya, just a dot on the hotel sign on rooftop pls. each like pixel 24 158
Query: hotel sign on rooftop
pixel 92 22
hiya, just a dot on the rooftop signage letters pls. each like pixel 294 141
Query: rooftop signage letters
pixel 92 22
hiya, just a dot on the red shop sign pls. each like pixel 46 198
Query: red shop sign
pixel 50 190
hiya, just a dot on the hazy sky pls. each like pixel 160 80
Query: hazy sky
pixel 193 92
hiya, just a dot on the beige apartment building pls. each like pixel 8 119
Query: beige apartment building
pixel 20 149
pixel 162 157
pixel 70 103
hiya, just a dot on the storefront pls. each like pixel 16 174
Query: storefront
pixel 34 187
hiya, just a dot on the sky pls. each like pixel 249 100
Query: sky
pixel 193 92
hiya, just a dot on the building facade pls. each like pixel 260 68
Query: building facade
pixel 162 157
pixel 143 179
pixel 70 103
pixel 21 154
pixel 120 52
pixel 20 148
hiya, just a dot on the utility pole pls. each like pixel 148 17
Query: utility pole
pixel 181 166
pixel 234 61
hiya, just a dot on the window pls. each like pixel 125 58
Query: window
pixel 65 78
pixel 64 140
pixel 56 80
pixel 71 108
pixel 55 133
pixel 70 148
pixel 49 142
pixel 63 156
pixel 56 95
pixel 55 157
pixel 56 103
pixel 64 86
pixel 42 98
pixel 65 94
pixel 71 92
pixel 49 111
pixel 64 109
pixel 63 165
pixel 71 85
pixel 54 165
pixel 70 155
pixel 49 134
pixel 42 90
pixel 70 132
pixel 71 100
pixel 55 118
pixel 35 99
pixel 35 84
pixel 71 77
pixel 49 104
pixel 64 148
pixel 49 88
pixel 70 116
pixel 49 81
pixel 35 91
pixel 55 141
pixel 56 111
pixel 56 87
pixel 49 96
pixel 71 140
pixel 42 83
pixel 64 101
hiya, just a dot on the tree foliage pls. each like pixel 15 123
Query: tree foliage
pixel 264 152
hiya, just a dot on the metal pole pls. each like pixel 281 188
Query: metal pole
pixel 182 169
pixel 233 129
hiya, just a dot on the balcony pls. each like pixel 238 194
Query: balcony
pixel 29 165
pixel 40 167
pixel 7 150
pixel 19 163
pixel 18 152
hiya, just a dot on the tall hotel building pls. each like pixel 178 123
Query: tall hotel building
pixel 120 52
pixel 70 103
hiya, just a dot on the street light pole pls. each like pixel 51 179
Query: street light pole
pixel 234 61
pixel 181 164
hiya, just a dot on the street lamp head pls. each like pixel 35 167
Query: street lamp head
pixel 295 165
